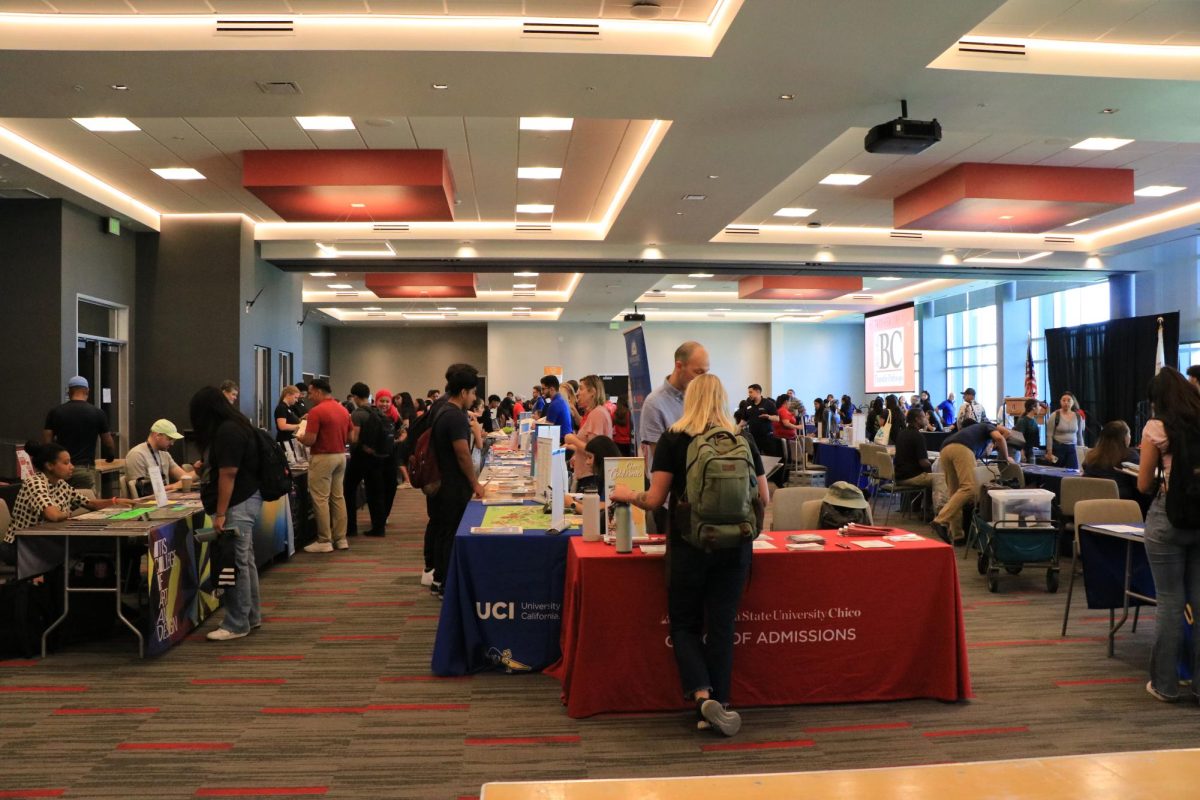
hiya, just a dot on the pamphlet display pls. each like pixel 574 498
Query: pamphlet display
pixel 630 473
pixel 543 453
pixel 558 487
pixel 160 491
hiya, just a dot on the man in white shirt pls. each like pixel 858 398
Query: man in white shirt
pixel 155 453
pixel 970 409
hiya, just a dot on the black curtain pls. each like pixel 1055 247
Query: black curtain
pixel 1108 365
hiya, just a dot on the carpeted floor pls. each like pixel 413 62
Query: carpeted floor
pixel 333 697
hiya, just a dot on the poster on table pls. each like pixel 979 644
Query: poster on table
pixel 173 581
pixel 630 473
pixel 544 447
pixel 639 374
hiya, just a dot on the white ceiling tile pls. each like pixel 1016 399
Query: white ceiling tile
pixel 279 133
pixel 493 143
pixel 396 136
pixel 90 6
pixel 252 7
pixel 328 6
pixel 1092 19
pixel 337 140
pixel 24 7
pixel 170 6
pixel 227 134
pixel 591 148
pixel 449 134
pixel 417 7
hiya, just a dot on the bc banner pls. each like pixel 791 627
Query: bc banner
pixel 639 373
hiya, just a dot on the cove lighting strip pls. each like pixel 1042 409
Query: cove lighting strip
pixel 1066 57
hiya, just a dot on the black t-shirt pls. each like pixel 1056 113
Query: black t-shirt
pixel 760 428
pixel 359 418
pixel 233 445
pixel 288 415
pixel 488 420
pixel 974 437
pixel 910 451
pixel 670 455
pixel 449 426
pixel 76 425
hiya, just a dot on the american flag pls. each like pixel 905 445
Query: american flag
pixel 1030 375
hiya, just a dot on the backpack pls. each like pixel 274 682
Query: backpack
pixel 834 517
pixel 423 470
pixel 1183 484
pixel 274 476
pixel 379 434
pixel 721 487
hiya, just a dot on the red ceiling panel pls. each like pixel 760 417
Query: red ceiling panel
pixel 816 287
pixel 418 285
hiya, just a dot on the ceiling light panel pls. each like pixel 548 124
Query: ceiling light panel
pixel 106 124
pixel 325 123
pixel 1158 191
pixel 795 211
pixel 178 173
pixel 547 123
pixel 535 208
pixel 1100 143
pixel 844 179
pixel 539 173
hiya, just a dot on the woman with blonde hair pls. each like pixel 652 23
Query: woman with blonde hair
pixel 567 390
pixel 286 420
pixel 705 586
pixel 596 422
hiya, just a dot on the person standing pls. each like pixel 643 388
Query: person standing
pixel 597 422
pixel 555 409
pixel 958 455
pixel 1064 432
pixel 622 419
pixel 488 419
pixel 931 415
pixel 756 411
pixel 946 410
pixel 1169 447
pixel 231 391
pixel 704 588
pixel 970 409
pixel 663 407
pixel 229 490
pixel 300 407
pixel 784 425
pixel 1027 426
pixel 846 410
pixel 286 419
pixel 76 424
pixel 893 415
pixel 327 430
pixel 364 467
pixel 451 442
pixel 1193 375
pixel 155 454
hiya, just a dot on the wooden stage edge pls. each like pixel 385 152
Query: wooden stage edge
pixel 1146 775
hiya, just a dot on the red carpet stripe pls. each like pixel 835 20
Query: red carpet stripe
pixel 783 745
pixel 882 726
pixel 313 710
pixel 43 689
pixel 380 603
pixel 262 658
pixel 413 570
pixel 419 707
pixel 175 746
pixel 298 619
pixel 1097 681
pixel 975 732
pixel 521 740
pixel 238 681
pixel 262 791
pixel 362 637
pixel 87 712
pixel 20 662
pixel 32 792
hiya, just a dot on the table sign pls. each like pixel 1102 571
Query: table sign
pixel 631 473
pixel 160 491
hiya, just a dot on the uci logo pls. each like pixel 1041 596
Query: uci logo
pixel 494 610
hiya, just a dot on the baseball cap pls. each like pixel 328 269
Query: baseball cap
pixel 78 382
pixel 167 428
pixel 968 390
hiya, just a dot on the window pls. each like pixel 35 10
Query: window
pixel 971 355
pixel 285 369
pixel 917 356
pixel 1189 355
pixel 262 387
pixel 1079 306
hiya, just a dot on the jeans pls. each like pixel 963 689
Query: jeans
pixel 1067 455
pixel 326 473
pixel 242 607
pixel 1174 556
pixel 702 600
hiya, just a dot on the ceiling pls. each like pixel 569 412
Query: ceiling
pixel 674 158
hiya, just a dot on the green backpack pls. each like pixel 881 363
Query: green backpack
pixel 721 487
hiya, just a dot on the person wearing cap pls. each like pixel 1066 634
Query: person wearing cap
pixel 76 424
pixel 959 451
pixel 155 453
pixel 970 409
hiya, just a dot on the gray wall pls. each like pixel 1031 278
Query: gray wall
pixel 404 359
pixel 816 360
pixel 316 349
pixel 1168 281
pixel 271 322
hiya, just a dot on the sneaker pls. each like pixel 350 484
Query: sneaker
pixel 341 544
pixel 319 547
pixel 427 578
pixel 222 635
pixel 1155 693
pixel 726 721
pixel 941 531
pixel 435 589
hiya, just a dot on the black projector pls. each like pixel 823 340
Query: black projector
pixel 635 317
pixel 903 137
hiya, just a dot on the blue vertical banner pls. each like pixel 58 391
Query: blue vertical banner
pixel 639 373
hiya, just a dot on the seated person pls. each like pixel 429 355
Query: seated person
pixel 912 457
pixel 1104 461
pixel 47 496
pixel 155 453
pixel 597 449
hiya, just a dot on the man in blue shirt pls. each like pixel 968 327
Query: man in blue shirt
pixel 946 409
pixel 556 411
pixel 957 460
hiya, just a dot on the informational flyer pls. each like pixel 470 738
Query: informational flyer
pixel 631 473
pixel 545 445
pixel 558 486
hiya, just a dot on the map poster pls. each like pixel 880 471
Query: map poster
pixel 631 473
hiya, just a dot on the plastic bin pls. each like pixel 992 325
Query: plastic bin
pixel 1020 505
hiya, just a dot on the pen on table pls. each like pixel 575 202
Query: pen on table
pixel 843 546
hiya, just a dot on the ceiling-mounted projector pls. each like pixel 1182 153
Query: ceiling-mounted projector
pixel 635 317
pixel 903 136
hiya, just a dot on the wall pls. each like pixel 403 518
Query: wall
pixel 316 349
pixel 818 359
pixel 271 321
pixel 1167 281
pixel 412 359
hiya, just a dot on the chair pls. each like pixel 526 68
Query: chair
pixel 6 520
pixel 1099 512
pixel 885 483
pixel 786 507
pixel 129 487
pixel 810 515
pixel 869 454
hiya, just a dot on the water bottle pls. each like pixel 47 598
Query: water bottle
pixel 591 517
pixel 624 537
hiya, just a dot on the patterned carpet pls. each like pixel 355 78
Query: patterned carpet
pixel 333 697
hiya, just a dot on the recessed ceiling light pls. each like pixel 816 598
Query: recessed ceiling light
pixel 889 278
pixel 358 205
pixel 539 173
pixel 447 308
pixel 535 208
pixel 546 123
pixel 1093 263
pixel 1158 191
pixel 1006 216
pixel 843 179
pixel 339 286
pixel 178 174
pixel 787 97
pixel 1109 110
pixel 684 286
pixel 118 87
pixel 524 285
pixel 326 123
pixel 1100 143
pixel 106 124
pixel 722 309
pixel 422 315
pixel 793 211
pixel 695 196
pixel 372 308
pixel 521 308
pixel 862 297
pixel 679 213
pixel 323 274
pixel 713 177
pixel 526 274
pixel 439 86
pixel 700 275
pixel 1077 222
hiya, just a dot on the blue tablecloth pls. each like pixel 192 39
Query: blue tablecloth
pixel 1048 478
pixel 841 463
pixel 503 600
pixel 1104 571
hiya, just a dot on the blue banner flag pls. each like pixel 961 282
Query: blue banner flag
pixel 639 374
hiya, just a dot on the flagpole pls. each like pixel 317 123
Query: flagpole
pixel 1160 356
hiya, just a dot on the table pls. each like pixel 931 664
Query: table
pixel 174 581
pixel 503 599
pixel 1048 478
pixel 830 626
pixel 841 462
pixel 1113 578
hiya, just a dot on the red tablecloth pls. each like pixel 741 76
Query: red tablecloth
pixel 814 627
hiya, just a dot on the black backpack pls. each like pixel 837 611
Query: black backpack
pixel 379 434
pixel 274 476
pixel 1183 485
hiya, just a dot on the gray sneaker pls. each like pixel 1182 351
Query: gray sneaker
pixel 726 721
pixel 319 547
